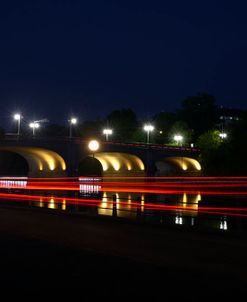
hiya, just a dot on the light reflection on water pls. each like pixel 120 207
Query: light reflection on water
pixel 182 210
pixel 125 207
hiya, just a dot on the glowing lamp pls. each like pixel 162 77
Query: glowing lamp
pixel 17 116
pixel 148 128
pixel 223 135
pixel 73 121
pixel 93 145
pixel 178 138
pixel 107 132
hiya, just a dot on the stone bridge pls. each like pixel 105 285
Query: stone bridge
pixel 71 157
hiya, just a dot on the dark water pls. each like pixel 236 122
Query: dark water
pixel 195 210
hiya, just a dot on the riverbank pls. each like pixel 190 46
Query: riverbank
pixel 44 249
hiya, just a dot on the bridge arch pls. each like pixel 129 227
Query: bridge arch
pixel 114 164
pixel 41 162
pixel 170 166
pixel 12 164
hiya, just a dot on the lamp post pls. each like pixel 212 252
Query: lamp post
pixel 107 132
pixel 148 128
pixel 34 125
pixel 223 135
pixel 178 138
pixel 93 146
pixel 17 117
pixel 72 122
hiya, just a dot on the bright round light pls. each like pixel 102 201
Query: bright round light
pixel 73 121
pixel 93 145
pixel 148 127
pixel 17 116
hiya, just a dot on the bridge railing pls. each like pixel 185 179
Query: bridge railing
pixel 85 141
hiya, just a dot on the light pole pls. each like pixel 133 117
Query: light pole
pixel 178 138
pixel 72 121
pixel 93 146
pixel 148 128
pixel 17 117
pixel 34 125
pixel 107 132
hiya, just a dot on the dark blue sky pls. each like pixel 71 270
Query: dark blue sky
pixel 88 58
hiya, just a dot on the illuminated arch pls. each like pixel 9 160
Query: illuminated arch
pixel 179 165
pixel 185 163
pixel 41 162
pixel 122 164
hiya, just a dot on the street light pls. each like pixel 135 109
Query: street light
pixel 17 117
pixel 107 132
pixel 34 125
pixel 93 146
pixel 223 135
pixel 178 138
pixel 72 121
pixel 148 128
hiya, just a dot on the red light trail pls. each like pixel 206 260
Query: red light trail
pixel 228 211
pixel 215 186
pixel 235 186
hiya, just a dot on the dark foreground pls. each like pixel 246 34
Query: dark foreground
pixel 45 250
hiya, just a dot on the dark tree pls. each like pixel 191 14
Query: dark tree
pixel 209 144
pixel 163 122
pixel 199 112
pixel 90 129
pixel 225 156
pixel 236 148
pixel 181 128
pixel 124 124
pixel 54 130
pixel 2 133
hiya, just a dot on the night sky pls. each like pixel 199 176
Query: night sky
pixel 87 58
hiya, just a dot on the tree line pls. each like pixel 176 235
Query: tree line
pixel 199 120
